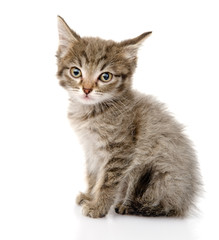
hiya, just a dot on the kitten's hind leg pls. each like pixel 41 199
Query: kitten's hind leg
pixel 148 196
pixel 135 208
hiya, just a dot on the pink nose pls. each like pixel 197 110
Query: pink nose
pixel 87 90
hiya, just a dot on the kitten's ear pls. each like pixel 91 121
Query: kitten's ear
pixel 66 34
pixel 131 46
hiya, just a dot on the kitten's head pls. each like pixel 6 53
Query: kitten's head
pixel 95 70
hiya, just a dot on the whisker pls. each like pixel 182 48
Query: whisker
pixel 99 94
pixel 74 90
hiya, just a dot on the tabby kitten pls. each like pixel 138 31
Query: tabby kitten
pixel 138 160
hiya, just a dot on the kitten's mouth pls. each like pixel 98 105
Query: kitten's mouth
pixel 89 99
pixel 86 99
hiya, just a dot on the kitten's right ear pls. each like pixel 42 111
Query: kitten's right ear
pixel 66 34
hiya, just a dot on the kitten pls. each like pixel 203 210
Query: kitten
pixel 138 159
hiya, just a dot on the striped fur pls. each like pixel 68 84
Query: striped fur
pixel 138 158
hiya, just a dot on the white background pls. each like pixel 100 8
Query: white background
pixel 41 161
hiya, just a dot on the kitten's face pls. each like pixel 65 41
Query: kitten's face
pixel 95 70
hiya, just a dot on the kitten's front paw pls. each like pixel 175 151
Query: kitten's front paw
pixel 124 209
pixel 94 210
pixel 82 198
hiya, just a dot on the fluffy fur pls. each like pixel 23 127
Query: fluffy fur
pixel 138 159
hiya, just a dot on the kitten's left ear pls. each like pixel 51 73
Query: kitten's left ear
pixel 131 46
pixel 66 34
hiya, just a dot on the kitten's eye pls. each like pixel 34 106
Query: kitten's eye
pixel 75 72
pixel 106 77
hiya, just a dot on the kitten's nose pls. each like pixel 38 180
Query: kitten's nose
pixel 87 90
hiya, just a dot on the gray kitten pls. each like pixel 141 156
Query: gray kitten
pixel 137 157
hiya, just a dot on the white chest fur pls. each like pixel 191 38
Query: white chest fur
pixel 94 147
pixel 96 155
